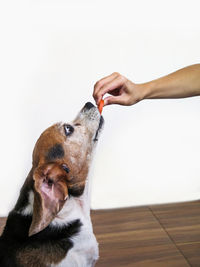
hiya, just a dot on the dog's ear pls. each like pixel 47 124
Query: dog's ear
pixel 50 194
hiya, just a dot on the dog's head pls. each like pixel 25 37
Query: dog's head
pixel 61 160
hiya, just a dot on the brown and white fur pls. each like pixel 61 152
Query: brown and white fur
pixel 50 225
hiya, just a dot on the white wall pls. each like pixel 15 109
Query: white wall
pixel 52 53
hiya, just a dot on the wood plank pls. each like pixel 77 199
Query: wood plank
pixel 191 252
pixel 133 237
pixel 181 221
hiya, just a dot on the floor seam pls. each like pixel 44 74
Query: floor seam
pixel 169 235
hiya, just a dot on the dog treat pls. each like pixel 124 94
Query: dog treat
pixel 100 107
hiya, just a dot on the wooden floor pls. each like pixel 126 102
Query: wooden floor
pixel 151 236
pixel 148 236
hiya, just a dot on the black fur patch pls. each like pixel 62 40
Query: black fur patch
pixel 55 152
pixel 15 238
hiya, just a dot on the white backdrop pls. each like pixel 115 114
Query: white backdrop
pixel 52 53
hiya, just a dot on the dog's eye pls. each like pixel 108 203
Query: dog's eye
pixel 68 129
pixel 65 168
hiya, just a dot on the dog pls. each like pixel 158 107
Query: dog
pixel 50 225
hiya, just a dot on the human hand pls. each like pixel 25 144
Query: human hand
pixel 122 91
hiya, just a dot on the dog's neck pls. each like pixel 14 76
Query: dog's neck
pixel 85 198
pixel 75 208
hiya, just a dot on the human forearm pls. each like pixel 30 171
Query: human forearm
pixel 182 83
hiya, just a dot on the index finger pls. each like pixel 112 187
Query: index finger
pixel 98 85
pixel 109 87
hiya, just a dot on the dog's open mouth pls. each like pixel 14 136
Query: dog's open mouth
pixel 101 122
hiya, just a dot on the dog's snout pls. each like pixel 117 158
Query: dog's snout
pixel 88 105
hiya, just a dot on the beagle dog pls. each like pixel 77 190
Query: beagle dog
pixel 50 225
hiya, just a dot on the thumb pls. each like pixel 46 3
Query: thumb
pixel 113 100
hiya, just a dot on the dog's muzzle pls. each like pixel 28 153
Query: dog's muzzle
pixel 89 107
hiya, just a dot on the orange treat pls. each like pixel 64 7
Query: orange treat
pixel 100 107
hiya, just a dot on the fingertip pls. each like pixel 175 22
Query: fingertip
pixel 98 100
pixel 108 101
pixel 95 97
pixel 105 102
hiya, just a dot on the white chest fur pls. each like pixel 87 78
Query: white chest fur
pixel 84 252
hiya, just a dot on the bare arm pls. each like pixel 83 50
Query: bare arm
pixel 182 83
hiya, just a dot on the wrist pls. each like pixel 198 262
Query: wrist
pixel 144 90
pixel 149 89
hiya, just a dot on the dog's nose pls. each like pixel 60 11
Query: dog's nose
pixel 88 105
